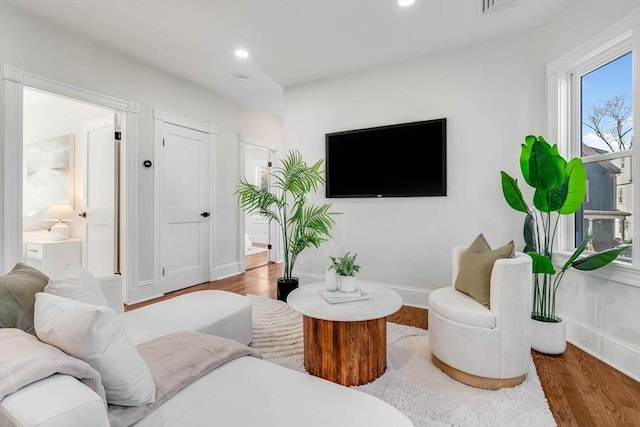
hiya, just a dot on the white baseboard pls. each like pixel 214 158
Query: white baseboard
pixel 411 296
pixel 144 290
pixel 226 270
pixel 142 299
pixel 611 350
pixel 146 283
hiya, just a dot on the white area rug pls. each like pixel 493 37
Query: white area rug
pixel 411 382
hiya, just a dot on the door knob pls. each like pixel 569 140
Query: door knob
pixel 83 214
pixel 205 214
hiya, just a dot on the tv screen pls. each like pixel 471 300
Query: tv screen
pixel 403 160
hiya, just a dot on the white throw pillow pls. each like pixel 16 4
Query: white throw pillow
pixel 97 335
pixel 78 284
pixel 35 221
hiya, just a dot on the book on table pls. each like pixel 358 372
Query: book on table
pixel 336 297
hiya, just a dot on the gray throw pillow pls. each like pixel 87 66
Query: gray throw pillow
pixel 476 265
pixel 18 290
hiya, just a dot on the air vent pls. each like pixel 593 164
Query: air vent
pixel 489 6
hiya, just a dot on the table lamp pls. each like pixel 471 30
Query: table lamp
pixel 59 213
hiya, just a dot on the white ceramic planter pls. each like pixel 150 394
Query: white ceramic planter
pixel 348 283
pixel 548 337
pixel 331 280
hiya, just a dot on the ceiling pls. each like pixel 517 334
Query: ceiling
pixel 290 41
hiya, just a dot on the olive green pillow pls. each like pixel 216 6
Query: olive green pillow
pixel 476 264
pixel 18 290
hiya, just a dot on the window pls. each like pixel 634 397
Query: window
pixel 593 106
pixel 620 196
pixel 603 105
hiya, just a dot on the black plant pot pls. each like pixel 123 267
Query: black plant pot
pixel 285 286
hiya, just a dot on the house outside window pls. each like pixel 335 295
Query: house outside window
pixel 593 105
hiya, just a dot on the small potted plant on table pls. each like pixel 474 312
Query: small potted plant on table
pixel 346 268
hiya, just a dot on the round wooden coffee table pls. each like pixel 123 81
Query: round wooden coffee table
pixel 345 342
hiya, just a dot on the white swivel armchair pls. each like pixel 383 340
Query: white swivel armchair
pixel 479 346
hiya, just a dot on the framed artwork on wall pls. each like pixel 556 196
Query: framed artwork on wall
pixel 49 173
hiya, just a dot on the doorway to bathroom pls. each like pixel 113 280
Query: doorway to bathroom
pixel 257 233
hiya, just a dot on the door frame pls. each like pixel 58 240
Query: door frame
pixel 11 147
pixel 160 118
pixel 275 254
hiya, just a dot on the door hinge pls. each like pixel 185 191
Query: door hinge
pixel 118 136
pixel 163 142
pixel 269 164
pixel 269 246
pixel 163 271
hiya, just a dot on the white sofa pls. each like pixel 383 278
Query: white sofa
pixel 246 391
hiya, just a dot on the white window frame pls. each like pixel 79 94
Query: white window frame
pixel 564 126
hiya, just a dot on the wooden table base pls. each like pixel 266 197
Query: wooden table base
pixel 347 353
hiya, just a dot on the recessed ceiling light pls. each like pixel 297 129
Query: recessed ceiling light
pixel 405 3
pixel 241 53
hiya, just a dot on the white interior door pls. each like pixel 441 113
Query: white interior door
pixel 99 229
pixel 183 196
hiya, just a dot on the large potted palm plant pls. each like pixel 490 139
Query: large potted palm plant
pixel 301 223
pixel 560 189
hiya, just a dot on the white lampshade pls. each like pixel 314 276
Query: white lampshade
pixel 59 213
pixel 59 231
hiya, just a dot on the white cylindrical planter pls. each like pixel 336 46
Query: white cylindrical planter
pixel 548 337
pixel 331 280
pixel 348 283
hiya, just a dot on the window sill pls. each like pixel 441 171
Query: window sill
pixel 621 272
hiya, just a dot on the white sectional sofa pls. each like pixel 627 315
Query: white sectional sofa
pixel 246 391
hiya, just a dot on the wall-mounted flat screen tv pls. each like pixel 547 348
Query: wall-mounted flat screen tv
pixel 402 160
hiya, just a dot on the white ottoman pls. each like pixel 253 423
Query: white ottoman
pixel 220 313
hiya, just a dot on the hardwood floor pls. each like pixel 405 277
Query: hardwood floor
pixel 256 260
pixel 581 390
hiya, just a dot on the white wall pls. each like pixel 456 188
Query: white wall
pixel 261 129
pixel 581 21
pixel 492 95
pixel 40 48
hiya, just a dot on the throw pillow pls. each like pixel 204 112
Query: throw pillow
pixel 78 284
pixel 476 265
pixel 35 220
pixel 98 336
pixel 17 295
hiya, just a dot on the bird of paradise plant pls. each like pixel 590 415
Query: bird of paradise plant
pixel 560 189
